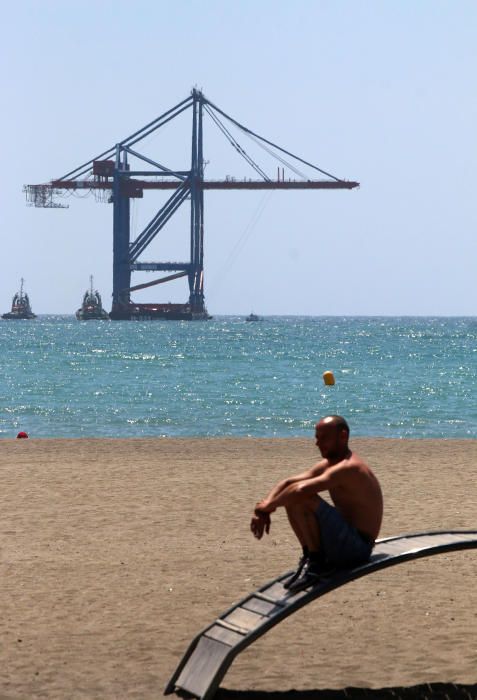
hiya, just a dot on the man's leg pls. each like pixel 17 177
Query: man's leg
pixel 304 524
pixel 313 565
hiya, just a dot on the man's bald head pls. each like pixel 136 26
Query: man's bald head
pixel 337 422
pixel 331 435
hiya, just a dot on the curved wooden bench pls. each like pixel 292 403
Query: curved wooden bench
pixel 212 651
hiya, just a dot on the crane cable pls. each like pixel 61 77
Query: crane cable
pixel 236 145
pixel 216 282
pixel 275 155
pixel 270 143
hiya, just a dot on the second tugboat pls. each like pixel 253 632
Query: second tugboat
pixel 21 308
pixel 92 307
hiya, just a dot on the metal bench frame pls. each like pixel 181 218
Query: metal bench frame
pixel 212 651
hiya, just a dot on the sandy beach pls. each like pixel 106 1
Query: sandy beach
pixel 115 553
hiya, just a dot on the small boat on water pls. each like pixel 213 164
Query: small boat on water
pixel 21 308
pixel 92 306
pixel 253 317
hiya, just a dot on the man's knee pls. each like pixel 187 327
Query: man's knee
pixel 308 504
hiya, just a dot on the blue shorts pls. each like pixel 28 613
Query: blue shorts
pixel 342 543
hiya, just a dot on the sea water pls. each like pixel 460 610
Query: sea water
pixel 395 377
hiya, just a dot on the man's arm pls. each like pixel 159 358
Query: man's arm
pixel 263 506
pixel 322 479
pixel 261 521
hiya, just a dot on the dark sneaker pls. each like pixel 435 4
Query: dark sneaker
pixel 301 563
pixel 310 574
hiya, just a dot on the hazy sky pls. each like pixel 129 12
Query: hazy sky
pixel 379 92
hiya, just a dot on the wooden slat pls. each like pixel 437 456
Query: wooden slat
pixel 394 548
pixel 447 538
pixel 229 626
pixel 224 635
pixel 427 541
pixel 454 537
pixel 275 590
pixel 262 596
pixel 263 607
pixel 245 619
pixel 204 663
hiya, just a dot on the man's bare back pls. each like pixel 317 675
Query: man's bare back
pixel 358 496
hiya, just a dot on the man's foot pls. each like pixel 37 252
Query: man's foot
pixel 311 572
pixel 301 563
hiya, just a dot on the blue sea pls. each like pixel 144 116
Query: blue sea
pixel 395 377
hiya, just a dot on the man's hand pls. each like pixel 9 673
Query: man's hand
pixel 260 523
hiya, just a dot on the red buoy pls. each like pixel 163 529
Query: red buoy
pixel 22 434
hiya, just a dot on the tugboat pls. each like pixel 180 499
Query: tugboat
pixel 253 317
pixel 92 307
pixel 21 308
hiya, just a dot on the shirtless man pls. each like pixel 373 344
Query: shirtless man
pixel 331 536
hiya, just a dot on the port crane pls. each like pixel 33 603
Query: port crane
pixel 110 177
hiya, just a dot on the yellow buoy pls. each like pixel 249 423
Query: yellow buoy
pixel 328 378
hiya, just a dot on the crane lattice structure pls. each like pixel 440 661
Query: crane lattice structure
pixel 109 174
